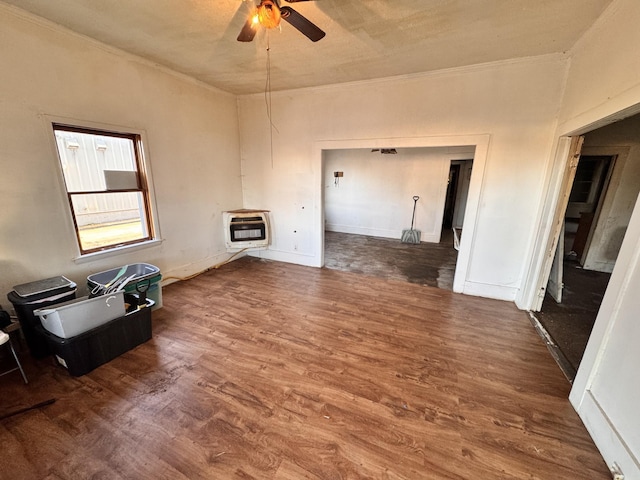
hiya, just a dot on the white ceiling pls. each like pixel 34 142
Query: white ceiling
pixel 365 39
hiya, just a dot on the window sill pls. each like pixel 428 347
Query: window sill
pixel 112 252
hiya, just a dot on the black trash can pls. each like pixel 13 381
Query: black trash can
pixel 29 297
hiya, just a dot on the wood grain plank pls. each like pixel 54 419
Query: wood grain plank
pixel 264 370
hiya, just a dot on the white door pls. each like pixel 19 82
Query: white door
pixel 606 391
pixel 555 285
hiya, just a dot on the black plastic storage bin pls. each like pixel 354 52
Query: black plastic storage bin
pixel 28 297
pixel 89 350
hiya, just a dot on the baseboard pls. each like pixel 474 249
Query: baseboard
pixel 379 232
pixel 497 292
pixel 287 257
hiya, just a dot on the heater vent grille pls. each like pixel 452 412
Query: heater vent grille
pixel 246 229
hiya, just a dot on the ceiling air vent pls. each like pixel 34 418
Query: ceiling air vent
pixel 385 151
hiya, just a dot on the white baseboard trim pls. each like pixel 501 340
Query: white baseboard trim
pixel 497 292
pixel 380 232
pixel 287 257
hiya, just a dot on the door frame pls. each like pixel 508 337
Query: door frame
pixel 599 425
pixel 480 142
pixel 566 162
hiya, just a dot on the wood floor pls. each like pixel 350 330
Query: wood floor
pixel 570 323
pixel 430 264
pixel 263 370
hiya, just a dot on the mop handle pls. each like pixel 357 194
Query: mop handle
pixel 415 202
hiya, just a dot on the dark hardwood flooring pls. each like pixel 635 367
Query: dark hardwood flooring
pixel 265 370
pixel 570 323
pixel 430 264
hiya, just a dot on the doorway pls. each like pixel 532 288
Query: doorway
pixel 598 209
pixel 450 202
pixel 574 294
pixel 464 145
pixel 368 203
pixel 585 202
pixel 456 199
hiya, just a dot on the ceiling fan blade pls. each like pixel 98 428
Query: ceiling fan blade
pixel 248 31
pixel 299 22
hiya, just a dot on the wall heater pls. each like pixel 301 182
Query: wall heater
pixel 246 228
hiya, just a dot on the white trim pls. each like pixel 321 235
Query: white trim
pixel 532 293
pixel 298 258
pixel 618 108
pixel 115 251
pixel 498 292
pixel 443 72
pixel 428 237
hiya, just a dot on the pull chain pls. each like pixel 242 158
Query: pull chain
pixel 267 93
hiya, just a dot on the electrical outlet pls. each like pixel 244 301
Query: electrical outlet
pixel 338 174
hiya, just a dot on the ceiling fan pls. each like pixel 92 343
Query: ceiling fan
pixel 268 14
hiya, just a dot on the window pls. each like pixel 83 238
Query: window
pixel 106 187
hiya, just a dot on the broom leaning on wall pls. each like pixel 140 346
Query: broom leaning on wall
pixel 411 235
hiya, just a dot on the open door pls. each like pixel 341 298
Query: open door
pixel 555 284
pixel 592 259
pixel 587 192
pixel 606 389
pixel 569 149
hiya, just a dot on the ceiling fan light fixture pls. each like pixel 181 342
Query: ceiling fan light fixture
pixel 269 14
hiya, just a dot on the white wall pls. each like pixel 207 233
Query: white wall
pixel 621 139
pixel 604 79
pixel 375 196
pixel 192 143
pixel 515 103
